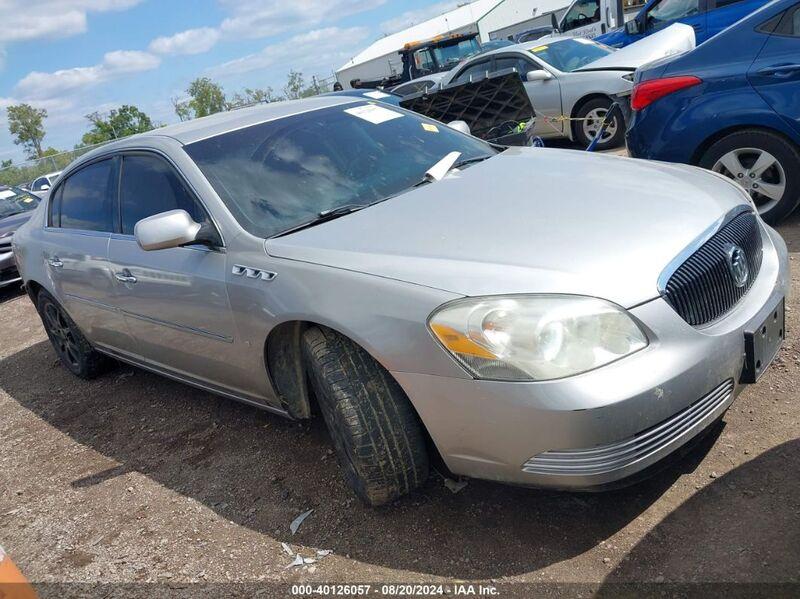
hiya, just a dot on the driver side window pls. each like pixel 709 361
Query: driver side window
pixel 583 13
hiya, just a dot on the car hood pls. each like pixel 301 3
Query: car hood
pixel 12 223
pixel 529 221
pixel 675 39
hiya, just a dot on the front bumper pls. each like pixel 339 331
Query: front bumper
pixel 600 427
pixel 8 267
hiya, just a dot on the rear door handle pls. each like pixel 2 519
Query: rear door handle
pixel 780 70
pixel 55 262
pixel 125 277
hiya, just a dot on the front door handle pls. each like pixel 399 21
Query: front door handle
pixel 55 262
pixel 780 70
pixel 125 277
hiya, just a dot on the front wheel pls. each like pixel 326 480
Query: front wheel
pixel 764 164
pixel 378 437
pixel 592 114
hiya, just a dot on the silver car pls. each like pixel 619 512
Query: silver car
pixel 575 78
pixel 406 281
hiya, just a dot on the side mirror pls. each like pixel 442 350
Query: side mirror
pixel 460 126
pixel 44 187
pixel 632 27
pixel 538 75
pixel 554 22
pixel 166 230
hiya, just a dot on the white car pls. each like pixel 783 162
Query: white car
pixel 575 78
pixel 45 182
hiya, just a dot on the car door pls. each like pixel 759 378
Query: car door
pixel 583 19
pixel 174 301
pixel 775 73
pixel 663 13
pixel 81 220
pixel 544 95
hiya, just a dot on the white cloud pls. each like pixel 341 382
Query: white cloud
pixel 413 17
pixel 38 85
pixel 24 20
pixel 299 52
pixel 191 41
pixel 256 18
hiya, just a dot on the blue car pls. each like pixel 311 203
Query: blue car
pixel 707 17
pixel 732 105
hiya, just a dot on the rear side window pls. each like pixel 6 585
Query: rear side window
pixel 149 186
pixel 511 62
pixel 85 200
pixel 475 70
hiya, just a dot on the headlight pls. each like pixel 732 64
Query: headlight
pixel 535 338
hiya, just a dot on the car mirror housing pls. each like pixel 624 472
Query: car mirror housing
pixel 538 75
pixel 44 187
pixel 166 230
pixel 461 126
pixel 632 27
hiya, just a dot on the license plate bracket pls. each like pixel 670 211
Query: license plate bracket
pixel 761 345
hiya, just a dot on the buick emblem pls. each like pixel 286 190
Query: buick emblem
pixel 737 264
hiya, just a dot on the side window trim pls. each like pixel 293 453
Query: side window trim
pixel 177 172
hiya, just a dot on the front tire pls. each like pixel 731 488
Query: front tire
pixel 764 164
pixel 593 112
pixel 72 348
pixel 378 437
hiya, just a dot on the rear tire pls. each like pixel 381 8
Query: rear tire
pixel 582 131
pixel 378 437
pixel 72 348
pixel 735 154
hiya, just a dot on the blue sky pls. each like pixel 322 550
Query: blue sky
pixel 74 57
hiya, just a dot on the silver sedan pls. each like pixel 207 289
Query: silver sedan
pixel 404 280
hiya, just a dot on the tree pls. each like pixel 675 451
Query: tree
pixel 26 125
pixel 7 163
pixel 253 96
pixel 296 87
pixel 205 98
pixel 122 122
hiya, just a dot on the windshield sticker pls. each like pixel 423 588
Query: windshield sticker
pixel 376 95
pixel 373 113
pixel 539 49
pixel 6 194
pixel 28 199
pixel 430 128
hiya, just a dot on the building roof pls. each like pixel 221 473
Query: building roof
pixel 461 17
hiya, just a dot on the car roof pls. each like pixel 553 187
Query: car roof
pixel 194 130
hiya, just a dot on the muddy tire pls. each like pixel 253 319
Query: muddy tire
pixel 72 348
pixel 377 434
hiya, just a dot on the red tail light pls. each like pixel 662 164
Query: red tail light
pixel 647 92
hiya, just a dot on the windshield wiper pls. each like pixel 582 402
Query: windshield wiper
pixel 325 216
pixel 468 161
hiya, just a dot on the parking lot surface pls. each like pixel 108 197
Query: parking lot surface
pixel 134 478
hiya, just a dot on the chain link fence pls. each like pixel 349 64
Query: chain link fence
pixel 25 172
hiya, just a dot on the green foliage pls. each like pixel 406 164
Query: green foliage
pixel 122 122
pixel 296 87
pixel 205 98
pixel 253 96
pixel 26 125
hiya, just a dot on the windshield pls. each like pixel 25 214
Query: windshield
pixel 449 56
pixel 570 54
pixel 16 201
pixel 278 175
pixel 670 10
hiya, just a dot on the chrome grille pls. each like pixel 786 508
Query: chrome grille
pixel 614 456
pixel 703 289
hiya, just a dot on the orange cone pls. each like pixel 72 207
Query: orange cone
pixel 12 583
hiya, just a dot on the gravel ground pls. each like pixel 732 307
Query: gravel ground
pixel 133 478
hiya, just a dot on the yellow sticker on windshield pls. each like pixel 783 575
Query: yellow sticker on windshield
pixel 28 199
pixel 539 48
pixel 430 128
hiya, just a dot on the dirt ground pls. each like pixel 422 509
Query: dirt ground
pixel 133 478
